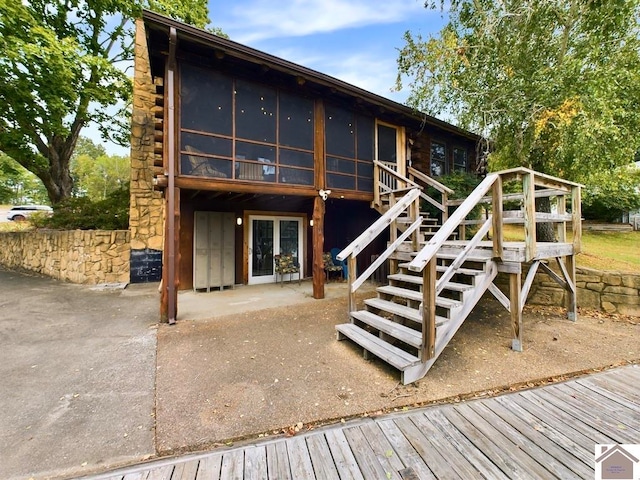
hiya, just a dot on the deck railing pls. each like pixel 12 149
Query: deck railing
pixel 547 186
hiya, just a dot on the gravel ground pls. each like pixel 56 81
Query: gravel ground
pixel 274 371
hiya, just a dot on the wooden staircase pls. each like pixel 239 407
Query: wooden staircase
pixel 390 325
pixel 436 280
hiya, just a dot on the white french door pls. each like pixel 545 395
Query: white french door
pixel 269 236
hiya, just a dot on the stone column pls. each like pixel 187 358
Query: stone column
pixel 147 207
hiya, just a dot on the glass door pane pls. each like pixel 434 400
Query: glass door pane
pixel 289 239
pixel 262 248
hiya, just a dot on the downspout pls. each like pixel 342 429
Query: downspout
pixel 170 242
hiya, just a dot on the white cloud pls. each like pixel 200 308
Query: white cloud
pixel 367 70
pixel 263 19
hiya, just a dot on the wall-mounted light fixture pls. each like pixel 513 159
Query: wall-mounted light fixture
pixel 239 221
pixel 311 222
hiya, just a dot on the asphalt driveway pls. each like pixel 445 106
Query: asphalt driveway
pixel 77 368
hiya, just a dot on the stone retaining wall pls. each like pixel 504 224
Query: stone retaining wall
pixel 78 256
pixel 610 292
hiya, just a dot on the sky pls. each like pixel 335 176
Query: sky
pixel 356 41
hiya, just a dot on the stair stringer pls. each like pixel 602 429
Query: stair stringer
pixel 414 373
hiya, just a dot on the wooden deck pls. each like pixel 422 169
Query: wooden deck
pixel 546 432
pixel 514 251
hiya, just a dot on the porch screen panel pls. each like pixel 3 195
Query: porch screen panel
pixel 256 112
pixel 237 129
pixel 349 148
pixel 205 100
pixel 295 139
pixel 366 146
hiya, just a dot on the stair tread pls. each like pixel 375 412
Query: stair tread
pixel 405 334
pixel 392 355
pixel 417 280
pixel 407 278
pixel 404 311
pixel 443 268
pixel 401 310
pixel 417 296
pixel 477 256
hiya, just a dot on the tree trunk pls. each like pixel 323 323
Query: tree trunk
pixel 544 231
pixel 57 178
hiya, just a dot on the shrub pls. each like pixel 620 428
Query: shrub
pixel 82 213
pixel 462 183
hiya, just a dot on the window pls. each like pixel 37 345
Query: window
pixel 438 159
pixel 459 159
pixel 237 129
pixel 349 148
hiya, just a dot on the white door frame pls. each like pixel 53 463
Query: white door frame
pixel 253 280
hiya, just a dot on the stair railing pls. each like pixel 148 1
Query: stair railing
pixel 417 176
pixel 425 260
pixel 405 203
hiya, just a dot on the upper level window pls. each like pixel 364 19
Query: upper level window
pixel 459 159
pixel 349 148
pixel 237 129
pixel 438 159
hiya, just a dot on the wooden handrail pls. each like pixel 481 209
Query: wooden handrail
pixel 460 259
pixel 397 175
pixel 511 197
pixel 452 223
pixel 355 247
pixel 384 255
pixel 429 181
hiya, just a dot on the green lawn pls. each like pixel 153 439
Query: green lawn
pixel 612 251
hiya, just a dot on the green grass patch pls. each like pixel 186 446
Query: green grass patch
pixel 607 251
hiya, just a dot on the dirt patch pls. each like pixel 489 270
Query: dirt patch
pixel 274 371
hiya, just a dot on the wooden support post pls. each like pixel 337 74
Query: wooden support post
pixel 318 247
pixel 562 226
pixel 571 297
pixel 352 266
pixel 496 194
pixel 576 219
pixel 445 212
pixel 516 310
pixel 169 296
pixel 528 190
pixel 429 311
pixel 414 213
pixel 376 184
pixel 393 236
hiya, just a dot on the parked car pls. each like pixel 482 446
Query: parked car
pixel 22 212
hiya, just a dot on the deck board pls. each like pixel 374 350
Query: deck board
pixel 544 432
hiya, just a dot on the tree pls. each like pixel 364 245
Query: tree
pixel 554 84
pixel 612 193
pixel 62 67
pixel 17 185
